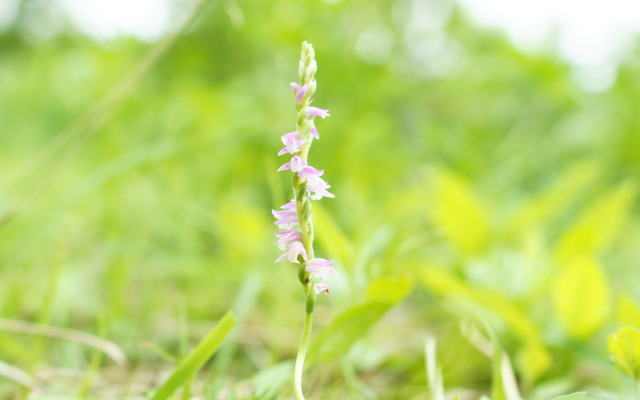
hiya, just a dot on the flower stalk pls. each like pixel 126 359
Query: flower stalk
pixel 296 217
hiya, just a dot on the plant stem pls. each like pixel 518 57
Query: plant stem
pixel 304 343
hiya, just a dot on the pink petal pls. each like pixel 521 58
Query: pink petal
pixel 321 288
pixel 314 132
pixel 317 112
pixel 308 171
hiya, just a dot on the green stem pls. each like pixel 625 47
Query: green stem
pixel 304 343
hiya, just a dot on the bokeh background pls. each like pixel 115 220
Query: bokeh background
pixel 484 155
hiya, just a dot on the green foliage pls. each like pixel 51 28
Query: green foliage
pixel 352 324
pixel 624 347
pixel 581 297
pixel 599 224
pixel 459 213
pixel 196 358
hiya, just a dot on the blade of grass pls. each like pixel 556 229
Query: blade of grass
pixel 18 376
pixel 196 359
pixel 110 348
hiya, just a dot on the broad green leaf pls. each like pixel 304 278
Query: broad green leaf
pixel 572 396
pixel 624 346
pixel 581 297
pixel 533 360
pixel 353 323
pixel 598 225
pixel 460 214
pixel 628 312
pixel 543 207
pixel 331 237
pixel 388 289
pixel 444 283
pixel 196 359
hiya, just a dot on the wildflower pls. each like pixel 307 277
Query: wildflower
pixel 295 165
pixel 299 91
pixel 292 143
pixel 294 250
pixel 295 217
pixel 318 188
pixel 317 112
pixel 287 236
pixel 308 172
pixel 314 131
pixel 321 288
pixel 319 267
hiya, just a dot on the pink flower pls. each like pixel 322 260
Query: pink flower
pixel 296 164
pixel 294 250
pixel 314 131
pixel 318 188
pixel 299 91
pixel 321 288
pixel 288 236
pixel 308 171
pixel 286 217
pixel 292 143
pixel 317 112
pixel 319 267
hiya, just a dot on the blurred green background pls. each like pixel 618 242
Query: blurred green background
pixel 476 185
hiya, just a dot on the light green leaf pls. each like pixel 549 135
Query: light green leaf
pixel 460 214
pixel 581 297
pixel 444 283
pixel 628 312
pixel 533 360
pixel 196 359
pixel 350 325
pixel 497 382
pixel 624 346
pixel 543 207
pixel 331 237
pixel 599 224
pixel 390 290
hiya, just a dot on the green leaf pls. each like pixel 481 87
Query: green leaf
pixel 444 283
pixel 196 359
pixel 460 214
pixel 572 396
pixel 599 224
pixel 624 346
pixel 331 237
pixel 581 297
pixel 543 207
pixel 497 381
pixel 628 312
pixel 350 325
pixel 533 360
pixel 390 290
